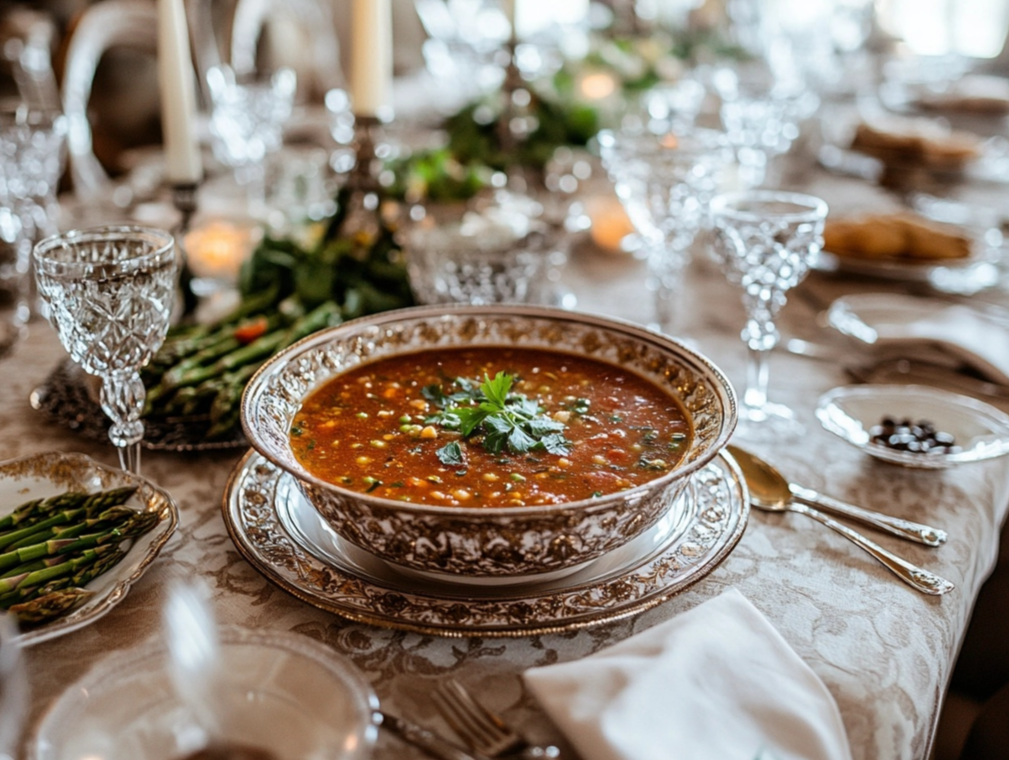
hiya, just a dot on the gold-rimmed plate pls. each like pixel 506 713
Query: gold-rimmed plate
pixel 42 475
pixel 283 537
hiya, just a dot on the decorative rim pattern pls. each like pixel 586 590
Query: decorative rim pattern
pixel 50 473
pixel 718 508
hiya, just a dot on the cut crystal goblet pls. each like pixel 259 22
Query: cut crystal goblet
pixel 765 242
pixel 109 292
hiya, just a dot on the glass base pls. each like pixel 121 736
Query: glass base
pixel 768 423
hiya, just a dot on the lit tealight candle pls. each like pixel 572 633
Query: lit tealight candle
pixel 216 250
pixel 598 86
pixel 610 223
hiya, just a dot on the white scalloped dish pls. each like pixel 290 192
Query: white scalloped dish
pixel 43 475
pixel 981 431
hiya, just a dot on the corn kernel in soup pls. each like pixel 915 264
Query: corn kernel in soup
pixel 489 427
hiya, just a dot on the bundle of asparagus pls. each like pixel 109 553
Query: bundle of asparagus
pixel 51 548
pixel 202 370
pixel 289 289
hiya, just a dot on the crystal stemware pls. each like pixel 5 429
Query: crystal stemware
pixel 765 242
pixel 32 156
pixel 109 291
pixel 760 113
pixel 665 182
pixel 247 122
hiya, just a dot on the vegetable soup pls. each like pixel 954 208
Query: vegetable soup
pixel 489 427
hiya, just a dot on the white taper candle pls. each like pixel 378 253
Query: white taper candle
pixel 371 57
pixel 178 99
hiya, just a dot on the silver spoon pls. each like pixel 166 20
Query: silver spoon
pixel 763 496
pixel 769 485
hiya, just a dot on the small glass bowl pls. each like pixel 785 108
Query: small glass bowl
pixel 489 253
pixel 980 431
pixel 291 697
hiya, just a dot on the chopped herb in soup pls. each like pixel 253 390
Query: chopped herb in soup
pixel 489 427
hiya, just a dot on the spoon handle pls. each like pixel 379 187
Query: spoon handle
pixel 923 534
pixel 916 577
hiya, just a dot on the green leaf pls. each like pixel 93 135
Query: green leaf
pixel 496 390
pixel 496 441
pixel 556 444
pixel 451 454
pixel 469 418
pixel 435 395
pixel 499 424
pixel 519 441
pixel 541 426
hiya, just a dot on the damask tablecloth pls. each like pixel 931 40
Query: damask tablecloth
pixel 884 651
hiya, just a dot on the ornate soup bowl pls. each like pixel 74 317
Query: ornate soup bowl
pixel 500 543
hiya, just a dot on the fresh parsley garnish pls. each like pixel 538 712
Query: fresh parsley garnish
pixel 451 453
pixel 508 422
pixel 468 391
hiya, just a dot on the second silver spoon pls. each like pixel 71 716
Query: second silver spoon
pixel 769 485
pixel 918 578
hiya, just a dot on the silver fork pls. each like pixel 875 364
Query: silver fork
pixel 481 729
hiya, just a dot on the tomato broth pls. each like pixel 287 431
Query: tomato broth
pixel 489 427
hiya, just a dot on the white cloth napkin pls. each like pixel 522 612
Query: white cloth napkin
pixel 909 327
pixel 965 334
pixel 715 683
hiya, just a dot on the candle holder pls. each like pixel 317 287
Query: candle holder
pixel 361 195
pixel 185 202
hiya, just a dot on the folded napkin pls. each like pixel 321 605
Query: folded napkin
pixel 717 682
pixel 894 326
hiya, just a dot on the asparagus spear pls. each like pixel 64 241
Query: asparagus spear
pixel 113 515
pixel 224 409
pixel 37 509
pixel 71 566
pixel 134 525
pixel 50 606
pixel 81 578
pixel 60 596
pixel 82 506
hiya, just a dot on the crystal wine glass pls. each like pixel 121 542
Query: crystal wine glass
pixel 247 122
pixel 109 291
pixel 761 115
pixel 765 242
pixel 665 182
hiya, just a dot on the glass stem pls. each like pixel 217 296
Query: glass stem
pixel 755 395
pixel 123 401
pixel 129 458
pixel 666 269
pixel 760 336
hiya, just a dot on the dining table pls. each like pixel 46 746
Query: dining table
pixel 884 651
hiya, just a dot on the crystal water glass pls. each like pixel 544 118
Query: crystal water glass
pixel 32 157
pixel 110 292
pixel 665 182
pixel 765 241
pixel 760 115
pixel 493 250
pixel 247 121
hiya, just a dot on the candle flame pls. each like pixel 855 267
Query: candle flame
pixel 598 86
pixel 670 141
pixel 218 249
